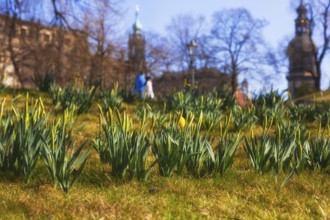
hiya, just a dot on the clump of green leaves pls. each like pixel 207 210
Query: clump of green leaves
pixel 278 152
pixel 322 114
pixel 188 100
pixel 63 161
pixel 43 81
pixel 7 154
pixel 27 141
pixel 201 156
pixel 121 146
pixel 226 148
pixel 21 138
pixel 271 105
pixel 183 146
pixel 111 98
pixel 169 153
pixel 71 98
pixel 243 119
pixel 127 95
pixel 317 153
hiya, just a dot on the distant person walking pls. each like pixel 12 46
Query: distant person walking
pixel 140 82
pixel 148 88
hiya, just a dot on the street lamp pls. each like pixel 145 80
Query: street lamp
pixel 191 52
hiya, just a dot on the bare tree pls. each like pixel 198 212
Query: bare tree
pixel 206 52
pixel 320 21
pixel 68 50
pixel 238 42
pixel 158 53
pixel 21 38
pixel 181 30
pixel 106 59
pixel 11 11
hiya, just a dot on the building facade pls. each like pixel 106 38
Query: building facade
pixel 29 50
pixel 303 76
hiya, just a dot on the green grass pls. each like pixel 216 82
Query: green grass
pixel 239 194
pixel 323 96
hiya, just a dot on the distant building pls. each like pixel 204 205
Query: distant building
pixel 302 77
pixel 207 79
pixel 136 51
pixel 29 48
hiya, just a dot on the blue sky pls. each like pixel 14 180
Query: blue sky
pixel 156 14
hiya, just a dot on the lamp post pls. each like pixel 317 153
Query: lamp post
pixel 191 52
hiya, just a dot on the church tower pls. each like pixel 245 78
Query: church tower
pixel 303 76
pixel 136 50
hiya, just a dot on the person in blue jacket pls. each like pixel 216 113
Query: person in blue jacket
pixel 140 82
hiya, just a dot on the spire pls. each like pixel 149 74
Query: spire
pixel 137 9
pixel 301 10
pixel 137 25
pixel 302 21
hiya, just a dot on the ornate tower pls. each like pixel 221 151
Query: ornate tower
pixel 136 50
pixel 303 76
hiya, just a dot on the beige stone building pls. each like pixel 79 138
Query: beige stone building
pixel 29 49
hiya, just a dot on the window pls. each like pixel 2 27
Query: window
pixel 133 51
pixel 299 29
pixel 24 32
pixel 67 41
pixel 3 56
pixel 46 38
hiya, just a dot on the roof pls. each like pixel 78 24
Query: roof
pixel 301 44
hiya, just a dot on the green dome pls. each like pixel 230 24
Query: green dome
pixel 137 25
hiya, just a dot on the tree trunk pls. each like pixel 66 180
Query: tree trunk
pixel 13 54
pixel 318 76
pixel 234 76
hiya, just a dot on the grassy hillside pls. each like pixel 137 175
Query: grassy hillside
pixel 241 193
